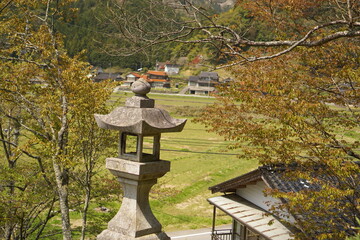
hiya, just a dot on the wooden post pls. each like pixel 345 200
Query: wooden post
pixel 213 223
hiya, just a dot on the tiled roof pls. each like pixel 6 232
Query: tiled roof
pixel 105 76
pixel 172 65
pixel 156 80
pixel 135 74
pixel 276 178
pixel 159 73
pixel 238 182
pixel 213 75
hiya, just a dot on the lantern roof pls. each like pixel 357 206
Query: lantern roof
pixel 139 116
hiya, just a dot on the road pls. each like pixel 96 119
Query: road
pixel 196 234
pixel 118 89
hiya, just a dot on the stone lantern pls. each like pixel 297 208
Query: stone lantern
pixel 137 170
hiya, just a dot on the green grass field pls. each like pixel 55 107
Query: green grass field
pixel 202 161
pixel 199 159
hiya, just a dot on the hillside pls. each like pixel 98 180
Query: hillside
pixel 100 39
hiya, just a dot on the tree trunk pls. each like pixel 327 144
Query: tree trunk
pixel 8 231
pixel 9 155
pixel 62 180
pixel 84 215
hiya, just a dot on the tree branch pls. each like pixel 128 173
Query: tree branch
pixel 5 6
pixel 23 60
pixel 227 37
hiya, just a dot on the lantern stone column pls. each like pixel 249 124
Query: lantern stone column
pixel 137 171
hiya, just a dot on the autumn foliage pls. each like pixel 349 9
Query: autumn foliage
pixel 298 107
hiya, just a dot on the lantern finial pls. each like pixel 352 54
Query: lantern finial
pixel 140 87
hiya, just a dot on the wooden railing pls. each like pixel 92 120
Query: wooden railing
pixel 223 234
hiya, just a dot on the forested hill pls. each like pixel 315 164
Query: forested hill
pixel 88 32
pixel 92 32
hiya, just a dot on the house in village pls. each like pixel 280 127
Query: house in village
pixel 130 79
pixel 204 83
pixel 157 79
pixel 167 67
pixel 245 202
pixel 102 76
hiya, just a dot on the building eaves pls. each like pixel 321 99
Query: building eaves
pixel 277 177
pixel 253 217
pixel 238 182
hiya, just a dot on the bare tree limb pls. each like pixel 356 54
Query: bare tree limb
pixel 134 29
pixel 6 5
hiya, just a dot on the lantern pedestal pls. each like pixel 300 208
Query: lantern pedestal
pixel 135 219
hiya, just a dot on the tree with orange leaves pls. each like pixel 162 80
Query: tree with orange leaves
pixel 301 108
pixel 294 98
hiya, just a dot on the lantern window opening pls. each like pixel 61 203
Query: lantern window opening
pixel 140 147
pixel 130 144
pixel 148 147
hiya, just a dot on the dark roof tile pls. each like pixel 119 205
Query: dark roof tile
pixel 277 178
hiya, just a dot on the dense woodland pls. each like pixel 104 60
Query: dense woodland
pixel 294 99
pixel 89 30
pixel 94 29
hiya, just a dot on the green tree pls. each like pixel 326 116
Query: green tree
pixel 96 36
pixel 27 198
pixel 50 113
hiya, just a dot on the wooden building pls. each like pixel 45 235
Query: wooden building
pixel 203 84
pixel 244 200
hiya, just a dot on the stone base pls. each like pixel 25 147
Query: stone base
pixel 111 235
pixel 135 220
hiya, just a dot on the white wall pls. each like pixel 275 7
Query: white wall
pixel 255 193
